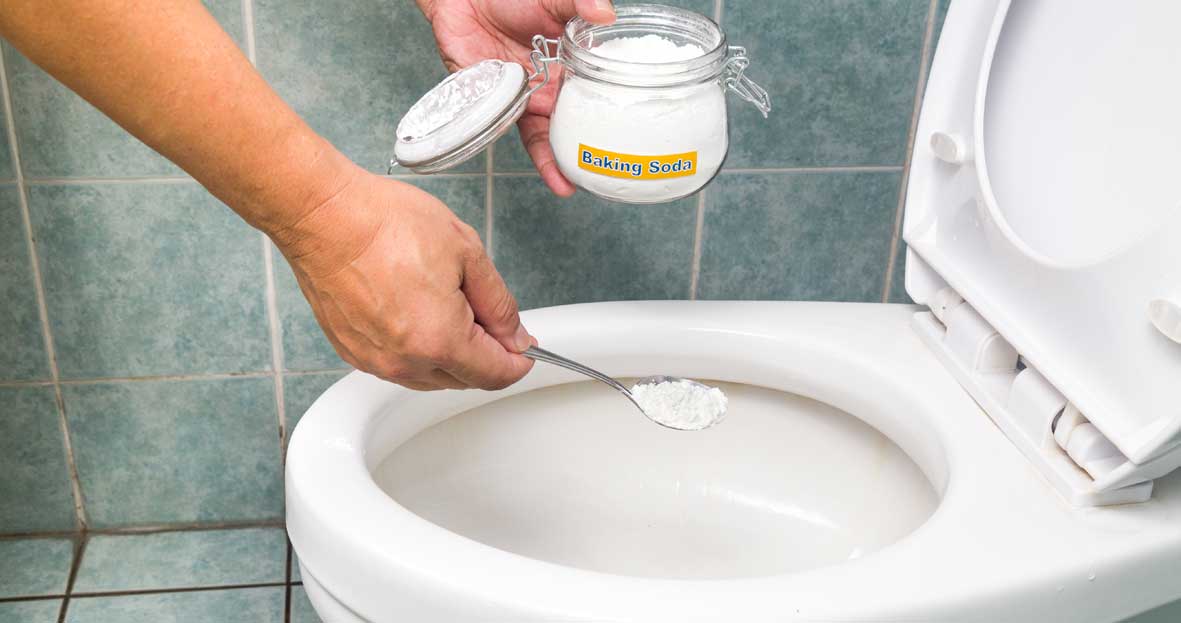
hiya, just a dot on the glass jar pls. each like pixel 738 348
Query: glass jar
pixel 644 129
pixel 640 115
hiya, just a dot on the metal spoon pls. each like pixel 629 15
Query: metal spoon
pixel 540 354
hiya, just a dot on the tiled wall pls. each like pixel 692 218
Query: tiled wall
pixel 154 350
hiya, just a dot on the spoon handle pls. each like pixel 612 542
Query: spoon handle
pixel 540 354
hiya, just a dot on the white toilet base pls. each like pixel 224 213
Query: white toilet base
pixel 1002 544
pixel 329 609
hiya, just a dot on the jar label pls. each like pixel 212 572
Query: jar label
pixel 632 167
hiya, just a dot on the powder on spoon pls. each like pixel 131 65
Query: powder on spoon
pixel 681 404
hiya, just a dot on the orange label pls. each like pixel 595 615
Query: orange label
pixel 632 167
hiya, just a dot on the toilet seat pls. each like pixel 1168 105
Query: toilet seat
pixel 1043 233
pixel 999 529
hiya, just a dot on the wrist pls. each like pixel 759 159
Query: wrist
pixel 304 175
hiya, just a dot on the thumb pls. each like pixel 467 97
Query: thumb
pixel 494 306
pixel 593 11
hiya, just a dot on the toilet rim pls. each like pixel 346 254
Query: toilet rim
pixel 359 532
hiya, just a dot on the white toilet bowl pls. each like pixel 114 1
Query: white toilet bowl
pixel 1006 452
pixel 530 507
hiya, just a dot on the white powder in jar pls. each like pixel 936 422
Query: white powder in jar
pixel 642 122
pixel 681 404
pixel 647 49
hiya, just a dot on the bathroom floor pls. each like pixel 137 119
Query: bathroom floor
pixel 239 574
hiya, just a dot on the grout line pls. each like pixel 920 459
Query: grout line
pixel 836 169
pixel 403 177
pixel 168 377
pixel 488 185
pixel 5 384
pixel 248 28
pixel 29 536
pixel 174 377
pixel 833 169
pixel 147 179
pixel 191 527
pixel 184 179
pixel 698 235
pixel 270 292
pixel 79 551
pixel 39 290
pixel 924 67
pixel 515 174
pixel 147 529
pixel 699 223
pixel 287 592
pixel 317 371
pixel 182 589
pixel 275 330
pixel 32 598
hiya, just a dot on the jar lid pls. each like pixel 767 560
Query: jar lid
pixel 461 116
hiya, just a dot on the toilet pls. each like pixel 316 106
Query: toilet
pixel 1005 450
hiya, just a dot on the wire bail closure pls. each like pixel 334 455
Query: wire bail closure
pixel 736 81
pixel 540 58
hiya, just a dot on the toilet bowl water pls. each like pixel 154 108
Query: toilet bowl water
pixel 527 475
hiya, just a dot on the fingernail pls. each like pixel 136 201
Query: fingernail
pixel 604 5
pixel 522 339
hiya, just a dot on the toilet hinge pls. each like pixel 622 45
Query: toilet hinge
pixel 1070 451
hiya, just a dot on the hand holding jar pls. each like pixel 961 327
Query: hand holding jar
pixel 640 115
pixel 470 31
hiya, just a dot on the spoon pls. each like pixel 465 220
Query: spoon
pixel 540 354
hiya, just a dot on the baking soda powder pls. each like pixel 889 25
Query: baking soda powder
pixel 680 404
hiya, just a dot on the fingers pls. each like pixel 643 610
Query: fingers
pixel 535 136
pixel 593 11
pixel 433 380
pixel 596 11
pixel 493 306
pixel 479 360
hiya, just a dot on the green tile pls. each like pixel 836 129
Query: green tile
pixel 940 17
pixel 351 68
pixel 159 452
pixel 241 605
pixel 841 75
pixel 898 279
pixel 183 560
pixel 7 171
pixel 42 611
pixel 35 482
pixel 296 574
pixel 304 344
pixel 510 154
pixel 22 348
pixel 819 236
pixel 705 7
pixel 149 279
pixel 300 391
pixel 554 251
pixel 61 135
pixel 31 567
pixel 301 607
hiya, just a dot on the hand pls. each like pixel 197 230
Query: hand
pixel 469 31
pixel 404 290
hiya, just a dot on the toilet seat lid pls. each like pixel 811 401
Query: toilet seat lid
pixel 1043 192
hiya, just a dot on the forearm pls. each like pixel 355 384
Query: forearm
pixel 168 73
